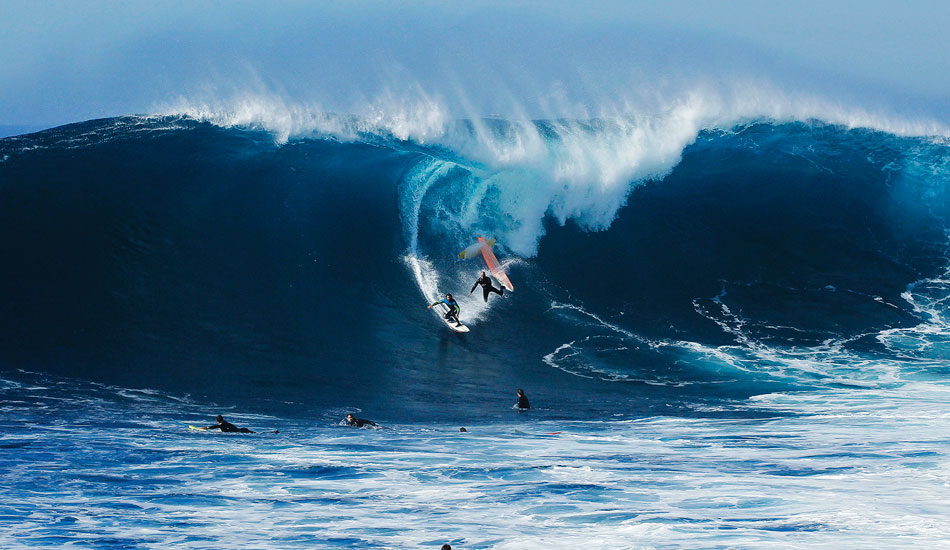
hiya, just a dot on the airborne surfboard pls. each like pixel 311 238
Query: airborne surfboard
pixel 484 247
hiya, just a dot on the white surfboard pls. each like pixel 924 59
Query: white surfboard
pixel 441 310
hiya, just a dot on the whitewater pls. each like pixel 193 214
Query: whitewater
pixel 730 317
pixel 818 471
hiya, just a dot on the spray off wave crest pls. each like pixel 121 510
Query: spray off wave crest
pixel 427 117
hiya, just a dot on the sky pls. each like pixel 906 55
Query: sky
pixel 65 61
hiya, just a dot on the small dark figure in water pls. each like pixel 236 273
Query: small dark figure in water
pixel 446 547
pixel 359 422
pixel 462 430
pixel 523 401
pixel 226 426
pixel 487 288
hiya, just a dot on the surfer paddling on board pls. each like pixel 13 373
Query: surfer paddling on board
pixel 226 426
pixel 487 288
pixel 359 422
pixel 453 313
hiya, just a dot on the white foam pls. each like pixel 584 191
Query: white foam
pixel 930 339
pixel 579 169
pixel 418 118
pixel 434 285
pixel 835 469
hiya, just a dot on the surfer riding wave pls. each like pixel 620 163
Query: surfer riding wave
pixel 453 313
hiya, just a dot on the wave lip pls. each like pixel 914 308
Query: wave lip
pixel 579 169
pixel 429 118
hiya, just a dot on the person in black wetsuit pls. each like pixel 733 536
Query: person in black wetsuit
pixel 359 422
pixel 226 426
pixel 487 288
pixel 453 313
pixel 523 401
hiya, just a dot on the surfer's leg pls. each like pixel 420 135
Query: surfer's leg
pixel 486 291
pixel 498 291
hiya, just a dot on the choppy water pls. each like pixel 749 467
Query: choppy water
pixel 102 467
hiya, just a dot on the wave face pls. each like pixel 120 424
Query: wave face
pixel 657 266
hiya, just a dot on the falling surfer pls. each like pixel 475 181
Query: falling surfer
pixel 487 288
pixel 483 248
pixel 453 313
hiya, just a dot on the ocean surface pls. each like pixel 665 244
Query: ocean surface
pixel 732 335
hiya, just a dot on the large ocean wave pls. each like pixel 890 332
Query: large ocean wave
pixel 704 251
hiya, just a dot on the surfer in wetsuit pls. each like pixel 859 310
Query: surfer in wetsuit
pixel 359 422
pixel 487 288
pixel 226 426
pixel 523 401
pixel 453 313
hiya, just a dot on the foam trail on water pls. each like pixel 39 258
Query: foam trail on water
pixel 929 340
pixel 829 364
pixel 414 189
pixel 431 282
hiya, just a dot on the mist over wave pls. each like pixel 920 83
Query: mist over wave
pixel 565 61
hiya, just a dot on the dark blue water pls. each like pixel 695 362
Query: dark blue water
pixel 173 254
pixel 724 334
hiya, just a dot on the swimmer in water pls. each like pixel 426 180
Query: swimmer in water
pixel 523 401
